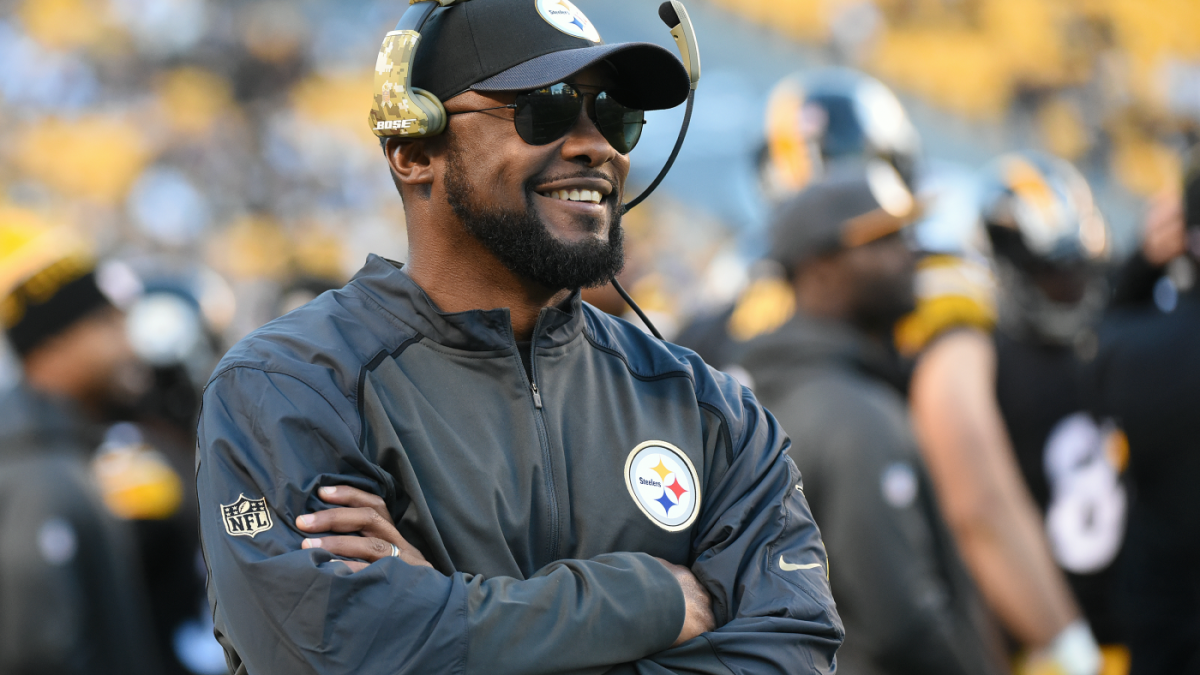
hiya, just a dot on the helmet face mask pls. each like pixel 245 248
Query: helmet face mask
pixel 1028 311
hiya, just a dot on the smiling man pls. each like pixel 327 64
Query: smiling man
pixel 456 466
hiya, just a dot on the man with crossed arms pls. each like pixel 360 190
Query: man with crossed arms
pixel 519 483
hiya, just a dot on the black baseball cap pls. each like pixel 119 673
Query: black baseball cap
pixel 842 211
pixel 519 45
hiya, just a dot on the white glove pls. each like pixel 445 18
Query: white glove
pixel 1073 652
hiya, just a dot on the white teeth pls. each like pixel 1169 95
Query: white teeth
pixel 592 196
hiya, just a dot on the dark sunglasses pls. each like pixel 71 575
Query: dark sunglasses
pixel 546 115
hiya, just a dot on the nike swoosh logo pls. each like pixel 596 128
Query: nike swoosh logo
pixel 789 567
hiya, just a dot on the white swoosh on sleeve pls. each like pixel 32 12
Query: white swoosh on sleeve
pixel 789 567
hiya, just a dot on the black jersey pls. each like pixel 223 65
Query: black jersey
pixel 1147 375
pixel 1072 464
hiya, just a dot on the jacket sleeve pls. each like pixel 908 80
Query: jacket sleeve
pixel 875 503
pixel 283 609
pixel 759 554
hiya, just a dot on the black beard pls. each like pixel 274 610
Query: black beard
pixel 524 244
pixel 882 302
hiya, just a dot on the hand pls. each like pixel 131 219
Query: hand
pixel 364 515
pixel 1164 236
pixel 699 616
pixel 1072 652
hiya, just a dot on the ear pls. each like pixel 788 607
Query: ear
pixel 410 163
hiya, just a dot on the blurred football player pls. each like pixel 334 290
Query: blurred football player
pixel 907 600
pixel 1028 481
pixel 829 122
pixel 73 601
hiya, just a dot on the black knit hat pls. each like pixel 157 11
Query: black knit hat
pixel 48 304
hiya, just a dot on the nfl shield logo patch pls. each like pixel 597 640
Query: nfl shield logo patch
pixel 246 517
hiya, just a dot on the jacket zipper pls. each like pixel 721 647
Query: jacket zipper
pixel 544 437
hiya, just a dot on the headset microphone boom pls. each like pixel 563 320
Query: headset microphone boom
pixel 675 16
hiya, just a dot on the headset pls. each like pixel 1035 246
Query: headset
pixel 401 110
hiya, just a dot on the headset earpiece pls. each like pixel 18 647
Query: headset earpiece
pixel 433 109
pixel 400 110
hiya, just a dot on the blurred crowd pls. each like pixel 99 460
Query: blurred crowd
pixel 1104 83
pixel 991 408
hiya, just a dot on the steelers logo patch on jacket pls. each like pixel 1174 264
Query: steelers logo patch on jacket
pixel 663 483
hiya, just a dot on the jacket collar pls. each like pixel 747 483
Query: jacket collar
pixel 474 330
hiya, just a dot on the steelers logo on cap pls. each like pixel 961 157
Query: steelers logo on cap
pixel 566 17
pixel 663 483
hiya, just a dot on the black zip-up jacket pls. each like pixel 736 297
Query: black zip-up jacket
pixel 907 600
pixel 538 503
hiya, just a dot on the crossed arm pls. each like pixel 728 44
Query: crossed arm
pixel 366 534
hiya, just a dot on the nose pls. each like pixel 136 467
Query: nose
pixel 584 144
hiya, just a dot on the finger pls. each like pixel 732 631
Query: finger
pixel 344 495
pixel 354 565
pixel 365 548
pixel 346 519
pixel 363 520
